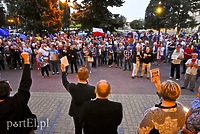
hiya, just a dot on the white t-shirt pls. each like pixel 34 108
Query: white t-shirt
pixel 177 54
pixel 141 45
pixel 193 70
pixel 161 50
pixel 44 52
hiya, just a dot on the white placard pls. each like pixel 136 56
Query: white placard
pixel 64 61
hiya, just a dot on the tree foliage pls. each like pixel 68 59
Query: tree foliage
pixel 51 17
pixel 2 16
pixel 175 14
pixel 137 24
pixel 36 15
pixel 118 21
pixel 95 13
pixel 39 15
pixel 66 14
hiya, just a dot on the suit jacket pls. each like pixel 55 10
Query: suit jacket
pixel 80 93
pixel 101 116
pixel 72 54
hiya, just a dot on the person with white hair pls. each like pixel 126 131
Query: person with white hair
pixel 190 77
pixel 140 44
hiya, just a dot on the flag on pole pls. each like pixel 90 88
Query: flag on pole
pixel 97 32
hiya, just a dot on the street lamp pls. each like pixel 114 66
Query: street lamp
pixel 10 20
pixel 159 11
pixel 66 13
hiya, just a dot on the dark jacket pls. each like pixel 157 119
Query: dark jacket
pixel 101 116
pixel 148 59
pixel 65 53
pixel 72 54
pixel 1 52
pixel 15 108
pixel 80 93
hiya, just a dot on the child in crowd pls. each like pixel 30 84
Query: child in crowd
pixel 43 64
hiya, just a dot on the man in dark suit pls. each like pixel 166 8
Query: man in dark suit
pixel 73 57
pixel 80 93
pixel 14 111
pixel 101 116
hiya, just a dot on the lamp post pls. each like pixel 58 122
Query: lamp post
pixel 66 14
pixel 159 11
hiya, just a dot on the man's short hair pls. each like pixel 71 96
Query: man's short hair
pixel 83 73
pixel 170 90
pixel 103 88
pixel 4 90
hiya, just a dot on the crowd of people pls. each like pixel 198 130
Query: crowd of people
pixel 93 112
pixel 84 53
pixel 129 52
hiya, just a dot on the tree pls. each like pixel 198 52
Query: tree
pixel 118 21
pixel 51 17
pixel 2 16
pixel 30 16
pixel 152 20
pixel 175 14
pixel 66 14
pixel 137 24
pixel 95 13
pixel 36 15
pixel 12 7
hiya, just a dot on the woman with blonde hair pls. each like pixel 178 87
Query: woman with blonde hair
pixel 168 117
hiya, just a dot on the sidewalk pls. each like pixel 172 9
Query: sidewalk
pixel 52 111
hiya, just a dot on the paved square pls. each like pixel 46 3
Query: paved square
pixel 52 108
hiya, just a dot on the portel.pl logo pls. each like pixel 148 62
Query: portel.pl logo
pixel 29 122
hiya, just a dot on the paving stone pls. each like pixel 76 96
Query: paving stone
pixel 54 108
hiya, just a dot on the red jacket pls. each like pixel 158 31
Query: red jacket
pixel 188 52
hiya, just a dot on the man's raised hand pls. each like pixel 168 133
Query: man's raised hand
pixel 25 56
